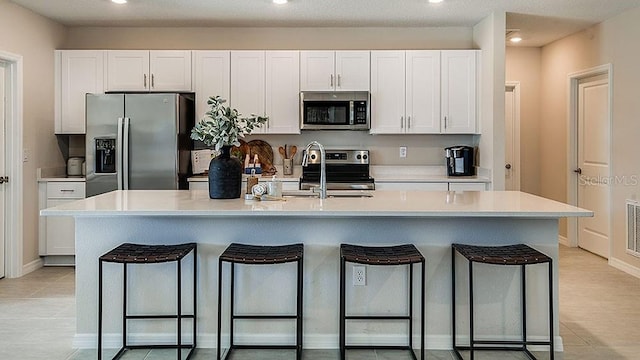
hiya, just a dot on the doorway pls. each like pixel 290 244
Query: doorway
pixel 590 158
pixel 512 136
pixel 11 209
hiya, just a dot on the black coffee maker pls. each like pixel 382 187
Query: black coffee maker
pixel 460 160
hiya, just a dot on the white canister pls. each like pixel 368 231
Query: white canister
pixel 274 187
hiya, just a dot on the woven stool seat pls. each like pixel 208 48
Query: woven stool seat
pixel 518 254
pixel 267 254
pixel 381 255
pixel 147 254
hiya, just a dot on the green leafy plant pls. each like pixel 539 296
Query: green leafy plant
pixel 223 126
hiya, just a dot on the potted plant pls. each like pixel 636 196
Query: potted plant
pixel 221 127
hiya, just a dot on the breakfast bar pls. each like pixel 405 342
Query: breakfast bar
pixel 431 220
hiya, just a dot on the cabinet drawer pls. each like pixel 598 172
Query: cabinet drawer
pixel 61 189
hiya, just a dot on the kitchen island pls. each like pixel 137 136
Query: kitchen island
pixel 430 220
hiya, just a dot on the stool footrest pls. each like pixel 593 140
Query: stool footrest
pixel 124 349
pixel 272 317
pixel 510 342
pixel 264 347
pixel 377 317
pixel 150 317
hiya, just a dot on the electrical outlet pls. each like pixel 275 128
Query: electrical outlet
pixel 403 151
pixel 359 276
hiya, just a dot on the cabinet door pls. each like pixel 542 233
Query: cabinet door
pixel 81 72
pixel 283 92
pixel 423 92
pixel 247 82
pixel 412 186
pixel 459 91
pixel 127 70
pixel 170 70
pixel 317 70
pixel 387 92
pixel 352 70
pixel 211 76
pixel 60 231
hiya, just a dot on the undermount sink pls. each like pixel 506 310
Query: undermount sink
pixel 330 193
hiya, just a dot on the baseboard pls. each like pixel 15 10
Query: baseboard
pixel 563 241
pixel 32 266
pixel 623 266
pixel 311 342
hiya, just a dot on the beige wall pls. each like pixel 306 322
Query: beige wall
pixel 613 41
pixel 268 38
pixel 34 38
pixel 523 65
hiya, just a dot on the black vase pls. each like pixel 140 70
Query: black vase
pixel 225 176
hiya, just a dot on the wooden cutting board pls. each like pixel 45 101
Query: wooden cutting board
pixel 264 152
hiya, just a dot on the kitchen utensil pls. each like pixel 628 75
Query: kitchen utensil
pixel 282 152
pixel 287 166
pixel 294 149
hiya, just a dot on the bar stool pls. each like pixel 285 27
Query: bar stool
pixel 127 254
pixel 260 255
pixel 518 254
pixel 382 255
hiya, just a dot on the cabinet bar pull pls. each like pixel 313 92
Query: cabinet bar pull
pixel 153 81
pixel 401 122
pixel 67 190
pixel 331 81
pixel 408 122
pixel 145 81
pixel 445 122
pixel 339 80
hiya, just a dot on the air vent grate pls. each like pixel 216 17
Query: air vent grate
pixel 633 227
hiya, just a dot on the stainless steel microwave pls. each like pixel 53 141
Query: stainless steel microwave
pixel 334 110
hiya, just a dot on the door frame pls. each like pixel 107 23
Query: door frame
pixel 516 129
pixel 572 143
pixel 13 211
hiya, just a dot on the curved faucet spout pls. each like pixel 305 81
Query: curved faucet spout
pixel 323 167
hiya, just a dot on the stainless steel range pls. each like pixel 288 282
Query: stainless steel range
pixel 346 170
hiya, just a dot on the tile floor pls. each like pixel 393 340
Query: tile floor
pixel 599 317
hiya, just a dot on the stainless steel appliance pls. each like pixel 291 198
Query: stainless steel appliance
pixel 345 170
pixel 334 110
pixel 460 160
pixel 138 141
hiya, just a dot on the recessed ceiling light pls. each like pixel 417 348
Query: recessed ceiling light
pixel 515 39
pixel 435 1
pixel 280 2
pixel 119 2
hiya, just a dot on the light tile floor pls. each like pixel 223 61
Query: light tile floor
pixel 599 317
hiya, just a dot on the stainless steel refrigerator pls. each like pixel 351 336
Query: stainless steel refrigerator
pixel 138 141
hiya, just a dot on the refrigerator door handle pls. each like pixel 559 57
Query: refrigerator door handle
pixel 125 154
pixel 119 153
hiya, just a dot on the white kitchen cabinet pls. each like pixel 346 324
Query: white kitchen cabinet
pixel 334 70
pixel 57 234
pixel 144 70
pixel 248 82
pixel 282 92
pixel 77 73
pixel 211 77
pixel 467 186
pixel 405 92
pixel 459 91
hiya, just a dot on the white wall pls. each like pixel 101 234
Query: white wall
pixel 34 38
pixel 613 41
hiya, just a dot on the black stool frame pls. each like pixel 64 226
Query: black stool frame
pixel 409 317
pixel 500 345
pixel 178 316
pixel 298 316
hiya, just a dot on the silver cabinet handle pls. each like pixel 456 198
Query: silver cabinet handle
pixel 338 80
pixel 445 122
pixel 331 81
pixel 67 190
pixel 153 85
pixel 408 122
pixel 401 122
pixel 145 81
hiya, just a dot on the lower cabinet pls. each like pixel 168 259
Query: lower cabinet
pixel 412 186
pixel 57 234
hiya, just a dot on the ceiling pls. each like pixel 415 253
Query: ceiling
pixel 540 21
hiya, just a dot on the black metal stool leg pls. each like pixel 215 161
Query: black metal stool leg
pixel 299 311
pixel 124 308
pixel 231 305
pixel 422 306
pixel 342 309
pixel 411 308
pixel 471 339
pixel 551 339
pixel 523 282
pixel 100 310
pixel 179 310
pixel 195 299
pixel 219 343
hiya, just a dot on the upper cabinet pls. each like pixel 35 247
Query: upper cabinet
pixel 211 76
pixel 334 70
pixel 77 72
pixel 283 92
pixel 459 91
pixel 143 70
pixel 247 82
pixel 415 92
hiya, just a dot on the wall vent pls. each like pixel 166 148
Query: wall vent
pixel 633 227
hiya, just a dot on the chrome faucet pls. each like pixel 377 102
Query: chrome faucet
pixel 323 167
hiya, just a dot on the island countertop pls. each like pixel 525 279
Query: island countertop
pixel 383 203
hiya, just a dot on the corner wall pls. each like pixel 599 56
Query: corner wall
pixel 34 37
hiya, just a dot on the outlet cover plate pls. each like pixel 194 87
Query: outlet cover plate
pixel 359 276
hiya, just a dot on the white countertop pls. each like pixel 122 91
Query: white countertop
pixel 54 174
pixel 382 204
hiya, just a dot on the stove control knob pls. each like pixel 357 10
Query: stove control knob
pixel 359 157
pixel 313 156
pixel 364 157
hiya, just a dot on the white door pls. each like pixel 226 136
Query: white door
pixel 511 138
pixel 317 70
pixel 458 91
pixel 247 82
pixel 423 92
pixel 283 92
pixel 593 178
pixel 352 70
pixel 212 71
pixel 127 70
pixel 387 92
pixel 170 70
pixel 2 166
